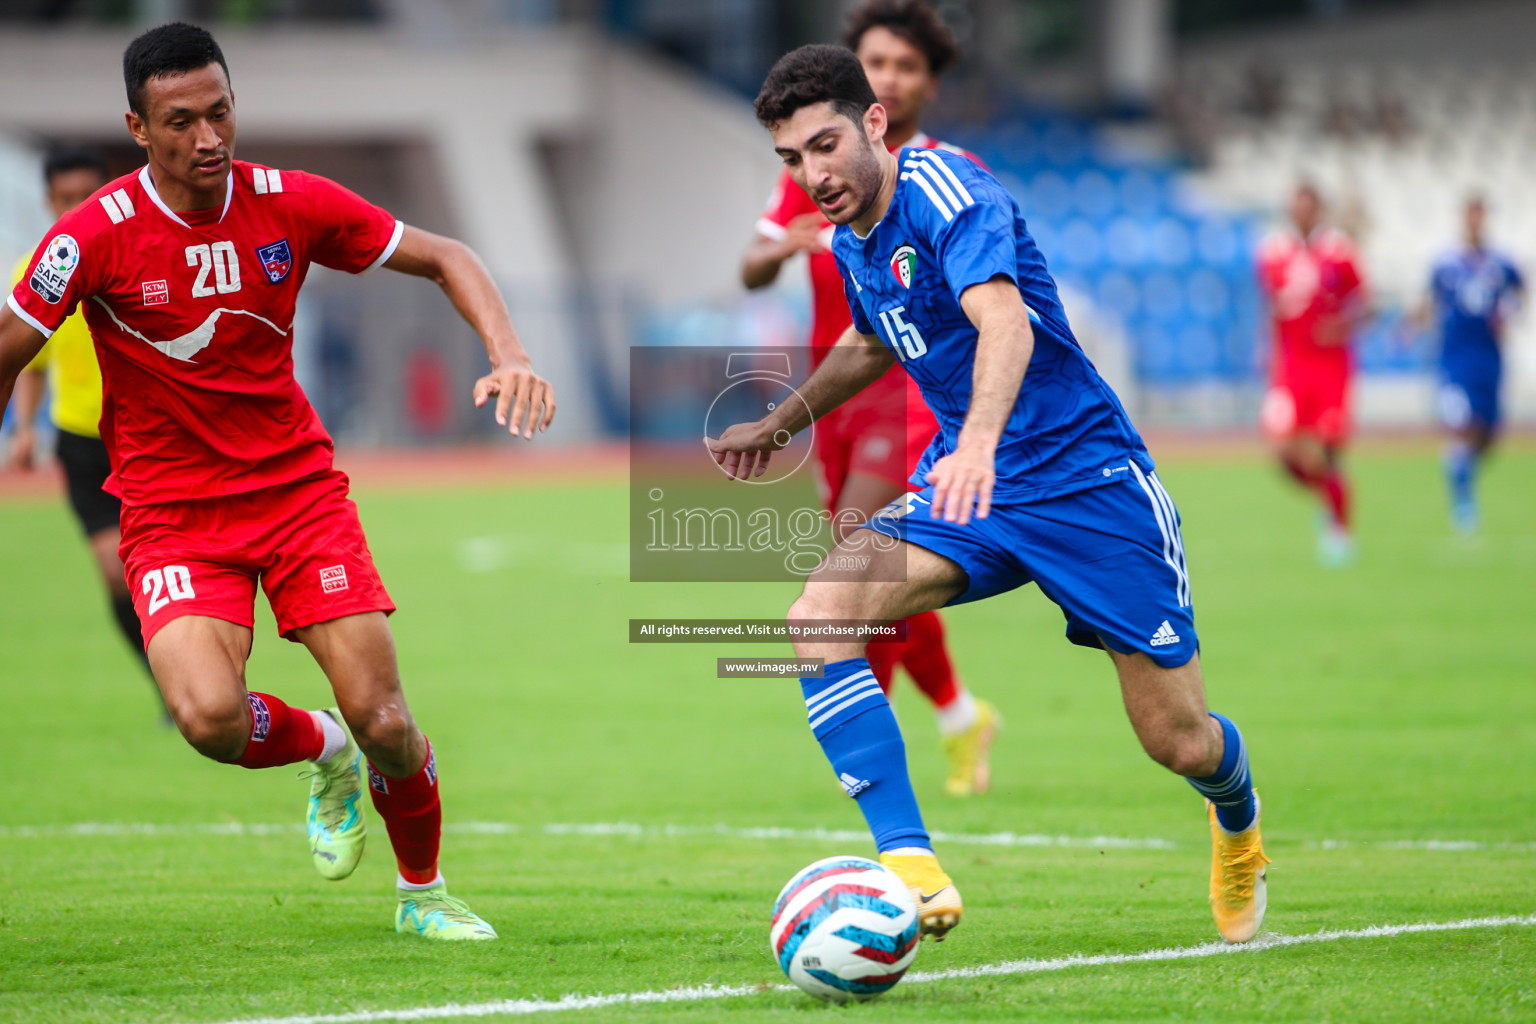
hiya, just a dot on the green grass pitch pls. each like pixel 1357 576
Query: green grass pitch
pixel 1385 705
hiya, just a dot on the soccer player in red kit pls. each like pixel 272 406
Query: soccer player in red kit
pixel 188 271
pixel 1312 279
pixel 869 447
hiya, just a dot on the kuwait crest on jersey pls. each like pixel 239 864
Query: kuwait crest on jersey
pixel 903 263
pixel 276 259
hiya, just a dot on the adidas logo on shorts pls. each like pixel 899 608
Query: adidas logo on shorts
pixel 1164 635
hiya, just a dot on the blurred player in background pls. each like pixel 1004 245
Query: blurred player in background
pixel 66 367
pixel 866 449
pixel 1311 275
pixel 189 272
pixel 1473 291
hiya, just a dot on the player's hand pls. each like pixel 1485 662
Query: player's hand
pixel 962 480
pixel 803 233
pixel 743 450
pixel 19 456
pixel 525 402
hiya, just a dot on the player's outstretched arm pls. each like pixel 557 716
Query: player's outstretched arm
pixel 20 343
pixel 1004 344
pixel 26 396
pixel 760 265
pixel 855 362
pixel 525 402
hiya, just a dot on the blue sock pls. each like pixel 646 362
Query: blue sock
pixel 857 730
pixel 1459 466
pixel 1231 788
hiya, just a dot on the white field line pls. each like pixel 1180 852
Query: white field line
pixel 525 1007
pixel 619 828
pixel 820 835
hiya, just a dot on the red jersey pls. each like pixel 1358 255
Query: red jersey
pixel 192 316
pixel 1309 282
pixel 829 313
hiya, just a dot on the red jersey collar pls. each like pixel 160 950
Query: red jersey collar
pixel 148 185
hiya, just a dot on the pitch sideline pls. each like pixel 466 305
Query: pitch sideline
pixel 526 1007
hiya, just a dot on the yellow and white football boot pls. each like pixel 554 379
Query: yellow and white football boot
pixel 1237 878
pixel 934 892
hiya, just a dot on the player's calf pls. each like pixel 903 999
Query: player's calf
pixel 388 736
pixel 1166 707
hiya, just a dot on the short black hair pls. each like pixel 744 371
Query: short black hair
pixel 63 160
pixel 814 74
pixel 172 49
pixel 913 20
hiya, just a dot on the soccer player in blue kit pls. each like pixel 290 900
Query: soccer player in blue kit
pixel 1473 291
pixel 1036 475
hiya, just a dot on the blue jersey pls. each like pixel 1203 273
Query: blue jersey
pixel 951 225
pixel 1473 290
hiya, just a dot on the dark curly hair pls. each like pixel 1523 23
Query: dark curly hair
pixel 913 20
pixel 814 74
pixel 172 49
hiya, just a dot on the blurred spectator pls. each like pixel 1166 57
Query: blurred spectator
pixel 1391 113
pixel 1341 117
pixel 1263 92
pixel 1187 104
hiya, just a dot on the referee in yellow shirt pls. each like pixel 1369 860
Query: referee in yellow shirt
pixel 68 366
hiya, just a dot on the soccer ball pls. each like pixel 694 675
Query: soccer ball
pixel 844 929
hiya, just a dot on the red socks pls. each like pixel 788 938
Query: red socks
pixel 1336 493
pixel 413 815
pixel 1330 485
pixel 924 655
pixel 280 734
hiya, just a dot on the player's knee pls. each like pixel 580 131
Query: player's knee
pixel 1184 752
pixel 385 731
pixel 820 602
pixel 215 729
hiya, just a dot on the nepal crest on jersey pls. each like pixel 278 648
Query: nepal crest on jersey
pixel 903 263
pixel 276 259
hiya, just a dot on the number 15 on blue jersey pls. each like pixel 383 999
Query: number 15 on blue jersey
pixel 906 340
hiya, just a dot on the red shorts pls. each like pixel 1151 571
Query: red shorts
pixel 887 444
pixel 1315 405
pixel 203 556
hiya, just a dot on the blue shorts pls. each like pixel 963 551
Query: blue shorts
pixel 1111 557
pixel 1466 399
